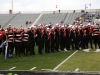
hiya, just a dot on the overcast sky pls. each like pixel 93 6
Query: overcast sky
pixel 47 5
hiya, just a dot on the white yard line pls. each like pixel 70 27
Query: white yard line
pixel 77 69
pixel 12 68
pixel 65 60
pixel 33 68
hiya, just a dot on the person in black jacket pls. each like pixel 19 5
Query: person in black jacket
pixel 68 38
pixel 72 37
pixel 39 39
pixel 62 37
pixel 52 41
pixel 31 40
pixel 57 37
pixel 47 40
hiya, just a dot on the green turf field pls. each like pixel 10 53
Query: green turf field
pixel 45 61
pixel 84 61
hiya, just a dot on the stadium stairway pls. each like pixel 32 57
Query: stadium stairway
pixel 37 19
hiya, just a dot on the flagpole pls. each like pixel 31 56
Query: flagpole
pixel 90 7
pixel 56 8
pixel 85 7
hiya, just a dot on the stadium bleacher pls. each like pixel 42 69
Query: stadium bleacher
pixel 21 19
pixel 51 18
pixel 64 17
pixel 4 18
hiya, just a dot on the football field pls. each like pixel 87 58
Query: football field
pixel 74 60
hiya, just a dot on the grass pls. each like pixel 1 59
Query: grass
pixel 45 61
pixel 85 61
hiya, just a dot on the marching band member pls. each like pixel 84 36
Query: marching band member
pixel 10 40
pixel 39 39
pixel 18 42
pixel 31 40
pixel 25 40
pixel 96 36
pixel 57 37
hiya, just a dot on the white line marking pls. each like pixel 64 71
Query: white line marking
pixel 77 69
pixel 12 68
pixel 33 68
pixel 65 60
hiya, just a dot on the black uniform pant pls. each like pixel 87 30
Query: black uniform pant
pixel 52 45
pixel 97 41
pixel 68 43
pixel 31 47
pixel 10 48
pixel 85 42
pixel 63 43
pixel 39 45
pixel 57 43
pixel 73 44
pixel 42 41
pixel 77 43
pixel 18 48
pixel 25 47
pixel 47 45
pixel 91 39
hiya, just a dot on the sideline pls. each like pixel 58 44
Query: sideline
pixel 33 68
pixel 12 68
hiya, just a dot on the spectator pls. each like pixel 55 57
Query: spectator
pixel 61 22
pixel 74 21
pixel 54 12
pixel 74 11
pixel 30 21
pixel 59 10
pixel 26 23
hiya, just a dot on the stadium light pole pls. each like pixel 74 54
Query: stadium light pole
pixel 12 5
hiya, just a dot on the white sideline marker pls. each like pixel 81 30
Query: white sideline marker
pixel 33 68
pixel 77 69
pixel 65 60
pixel 46 69
pixel 12 68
